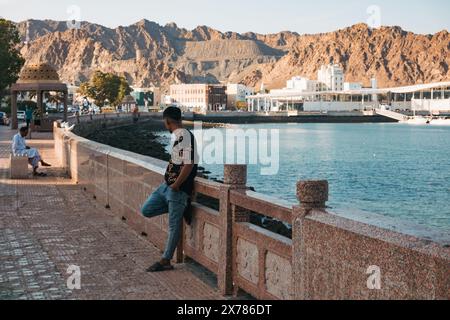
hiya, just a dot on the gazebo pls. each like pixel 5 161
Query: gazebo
pixel 39 78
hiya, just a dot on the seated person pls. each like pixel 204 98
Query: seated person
pixel 20 148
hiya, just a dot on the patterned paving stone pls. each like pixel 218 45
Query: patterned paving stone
pixel 48 224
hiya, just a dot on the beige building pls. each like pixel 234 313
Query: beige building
pixel 199 98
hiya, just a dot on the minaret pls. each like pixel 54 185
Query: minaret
pixel 374 85
pixel 263 88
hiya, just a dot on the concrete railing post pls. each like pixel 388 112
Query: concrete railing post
pixel 312 195
pixel 65 156
pixel 235 178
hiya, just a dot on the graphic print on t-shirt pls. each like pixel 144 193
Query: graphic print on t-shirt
pixel 183 152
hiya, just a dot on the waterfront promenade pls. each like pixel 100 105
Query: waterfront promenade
pixel 92 220
pixel 47 224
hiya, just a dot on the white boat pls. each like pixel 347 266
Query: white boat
pixel 440 121
pixel 433 121
pixel 417 120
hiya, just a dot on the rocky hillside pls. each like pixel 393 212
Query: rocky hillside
pixel 150 54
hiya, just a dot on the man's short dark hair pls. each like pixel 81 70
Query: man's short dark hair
pixel 172 113
pixel 23 129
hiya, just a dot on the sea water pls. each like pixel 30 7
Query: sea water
pixel 393 170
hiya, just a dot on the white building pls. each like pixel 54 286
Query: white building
pixel 332 76
pixel 352 86
pixel 296 86
pixel 431 97
pixel 166 99
pixel 302 84
pixel 237 96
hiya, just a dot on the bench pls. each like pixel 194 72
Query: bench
pixel 18 167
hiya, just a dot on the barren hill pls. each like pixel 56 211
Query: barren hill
pixel 150 54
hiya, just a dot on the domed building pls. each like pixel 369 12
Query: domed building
pixel 38 73
pixel 38 78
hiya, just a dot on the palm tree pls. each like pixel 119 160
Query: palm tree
pixel 55 97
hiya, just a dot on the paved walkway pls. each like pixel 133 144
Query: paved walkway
pixel 47 224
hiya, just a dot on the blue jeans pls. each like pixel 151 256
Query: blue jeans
pixel 164 200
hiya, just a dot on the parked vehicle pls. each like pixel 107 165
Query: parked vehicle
pixel 21 115
pixel 4 121
pixel 73 109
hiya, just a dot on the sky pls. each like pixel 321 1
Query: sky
pixel 261 16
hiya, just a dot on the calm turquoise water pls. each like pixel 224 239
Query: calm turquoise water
pixel 394 170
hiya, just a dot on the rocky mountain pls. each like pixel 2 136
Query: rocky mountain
pixel 150 54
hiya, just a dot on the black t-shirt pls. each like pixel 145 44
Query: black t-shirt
pixel 183 152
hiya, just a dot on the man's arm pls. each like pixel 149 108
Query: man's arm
pixel 184 174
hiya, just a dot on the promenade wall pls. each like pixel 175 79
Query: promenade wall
pixel 329 257
pixel 284 117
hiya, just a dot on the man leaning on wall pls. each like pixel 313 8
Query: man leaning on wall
pixel 173 196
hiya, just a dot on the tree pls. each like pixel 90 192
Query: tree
pixel 105 86
pixel 11 61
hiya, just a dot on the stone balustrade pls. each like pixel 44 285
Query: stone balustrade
pixel 85 124
pixel 329 256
